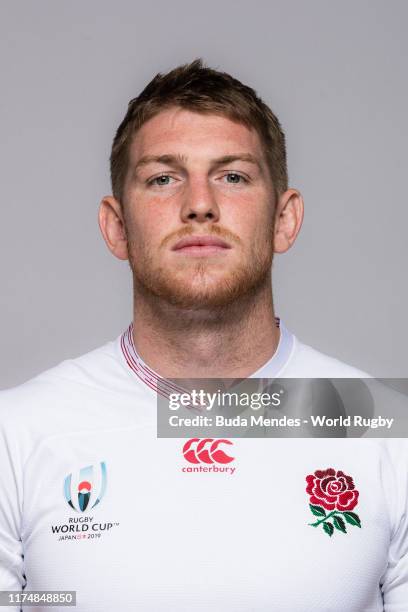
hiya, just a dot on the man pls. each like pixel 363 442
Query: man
pixel 93 501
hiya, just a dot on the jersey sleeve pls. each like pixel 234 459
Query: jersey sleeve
pixel 11 549
pixel 394 582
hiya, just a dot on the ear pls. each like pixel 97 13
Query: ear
pixel 288 220
pixel 111 223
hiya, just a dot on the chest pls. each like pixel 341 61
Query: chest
pixel 194 525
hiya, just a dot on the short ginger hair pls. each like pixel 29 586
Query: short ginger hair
pixel 201 89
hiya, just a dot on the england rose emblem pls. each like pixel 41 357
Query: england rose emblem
pixel 334 491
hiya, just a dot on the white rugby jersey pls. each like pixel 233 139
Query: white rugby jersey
pixel 92 501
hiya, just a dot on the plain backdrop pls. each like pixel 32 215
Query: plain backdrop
pixel 333 72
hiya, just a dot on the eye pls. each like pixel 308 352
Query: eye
pixel 160 181
pixel 235 178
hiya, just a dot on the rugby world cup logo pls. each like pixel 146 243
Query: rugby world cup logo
pixel 85 489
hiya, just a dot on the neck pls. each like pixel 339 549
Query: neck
pixel 229 342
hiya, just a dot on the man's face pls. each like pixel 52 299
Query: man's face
pixel 198 209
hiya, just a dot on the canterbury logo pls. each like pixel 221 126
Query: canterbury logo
pixel 206 451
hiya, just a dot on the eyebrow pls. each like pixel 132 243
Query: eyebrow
pixel 178 160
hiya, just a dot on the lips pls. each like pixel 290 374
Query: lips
pixel 204 244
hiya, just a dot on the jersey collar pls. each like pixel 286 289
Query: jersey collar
pixel 151 379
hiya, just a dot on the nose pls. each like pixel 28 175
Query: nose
pixel 199 203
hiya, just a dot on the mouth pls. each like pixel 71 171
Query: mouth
pixel 201 246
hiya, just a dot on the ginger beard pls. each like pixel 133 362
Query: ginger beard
pixel 201 283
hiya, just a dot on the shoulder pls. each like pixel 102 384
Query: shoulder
pixel 307 362
pixel 85 369
pixel 58 398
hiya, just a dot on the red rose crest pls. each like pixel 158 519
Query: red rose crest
pixel 335 491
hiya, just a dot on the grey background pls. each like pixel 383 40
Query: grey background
pixel 335 74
